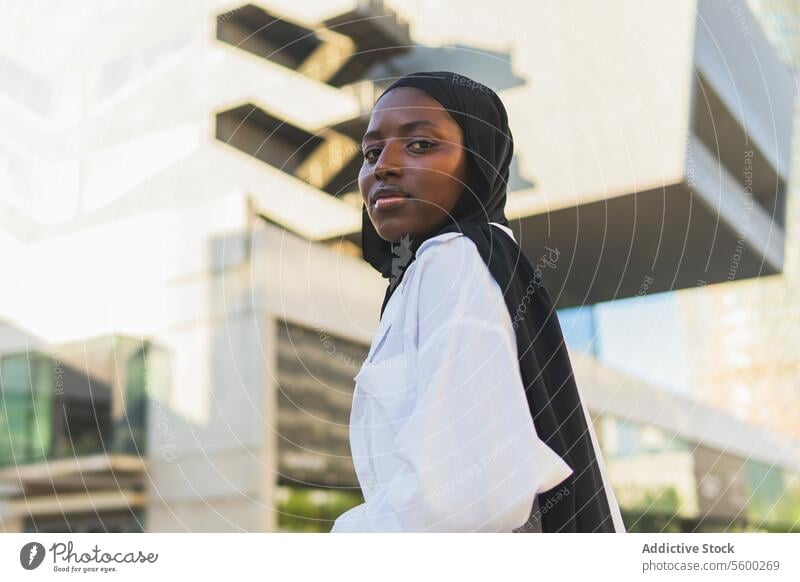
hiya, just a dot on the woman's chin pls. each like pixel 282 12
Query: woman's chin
pixel 392 230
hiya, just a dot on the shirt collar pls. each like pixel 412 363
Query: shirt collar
pixel 508 231
pixel 448 235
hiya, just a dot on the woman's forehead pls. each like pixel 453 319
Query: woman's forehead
pixel 407 108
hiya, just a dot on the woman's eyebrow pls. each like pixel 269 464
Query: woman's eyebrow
pixel 404 128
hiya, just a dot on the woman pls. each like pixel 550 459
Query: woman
pixel 465 416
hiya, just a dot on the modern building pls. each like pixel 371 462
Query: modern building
pixel 751 326
pixel 178 193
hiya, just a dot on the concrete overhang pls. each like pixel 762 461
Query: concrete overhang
pixel 698 198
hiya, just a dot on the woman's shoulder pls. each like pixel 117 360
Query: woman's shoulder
pixel 440 242
pixel 452 255
pixel 452 286
pixel 453 242
pixel 451 274
pixel 448 244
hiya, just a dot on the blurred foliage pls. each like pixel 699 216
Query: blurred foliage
pixel 313 510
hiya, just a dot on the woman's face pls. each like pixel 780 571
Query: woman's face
pixel 414 146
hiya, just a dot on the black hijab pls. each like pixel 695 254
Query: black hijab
pixel 544 363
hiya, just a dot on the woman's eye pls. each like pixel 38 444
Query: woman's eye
pixel 371 154
pixel 367 154
pixel 428 144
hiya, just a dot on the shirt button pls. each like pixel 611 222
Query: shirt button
pixel 359 408
pixel 371 484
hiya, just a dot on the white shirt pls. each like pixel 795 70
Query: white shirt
pixel 441 434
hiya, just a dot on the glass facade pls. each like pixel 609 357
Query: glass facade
pixel 26 409
pixel 640 336
pixel 317 481
pixel 81 399
pixel 666 483
pixel 578 328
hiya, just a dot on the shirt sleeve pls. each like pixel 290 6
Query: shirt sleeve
pixel 468 457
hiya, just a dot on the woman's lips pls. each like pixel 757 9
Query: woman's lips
pixel 389 202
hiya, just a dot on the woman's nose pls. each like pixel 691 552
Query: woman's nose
pixel 389 162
